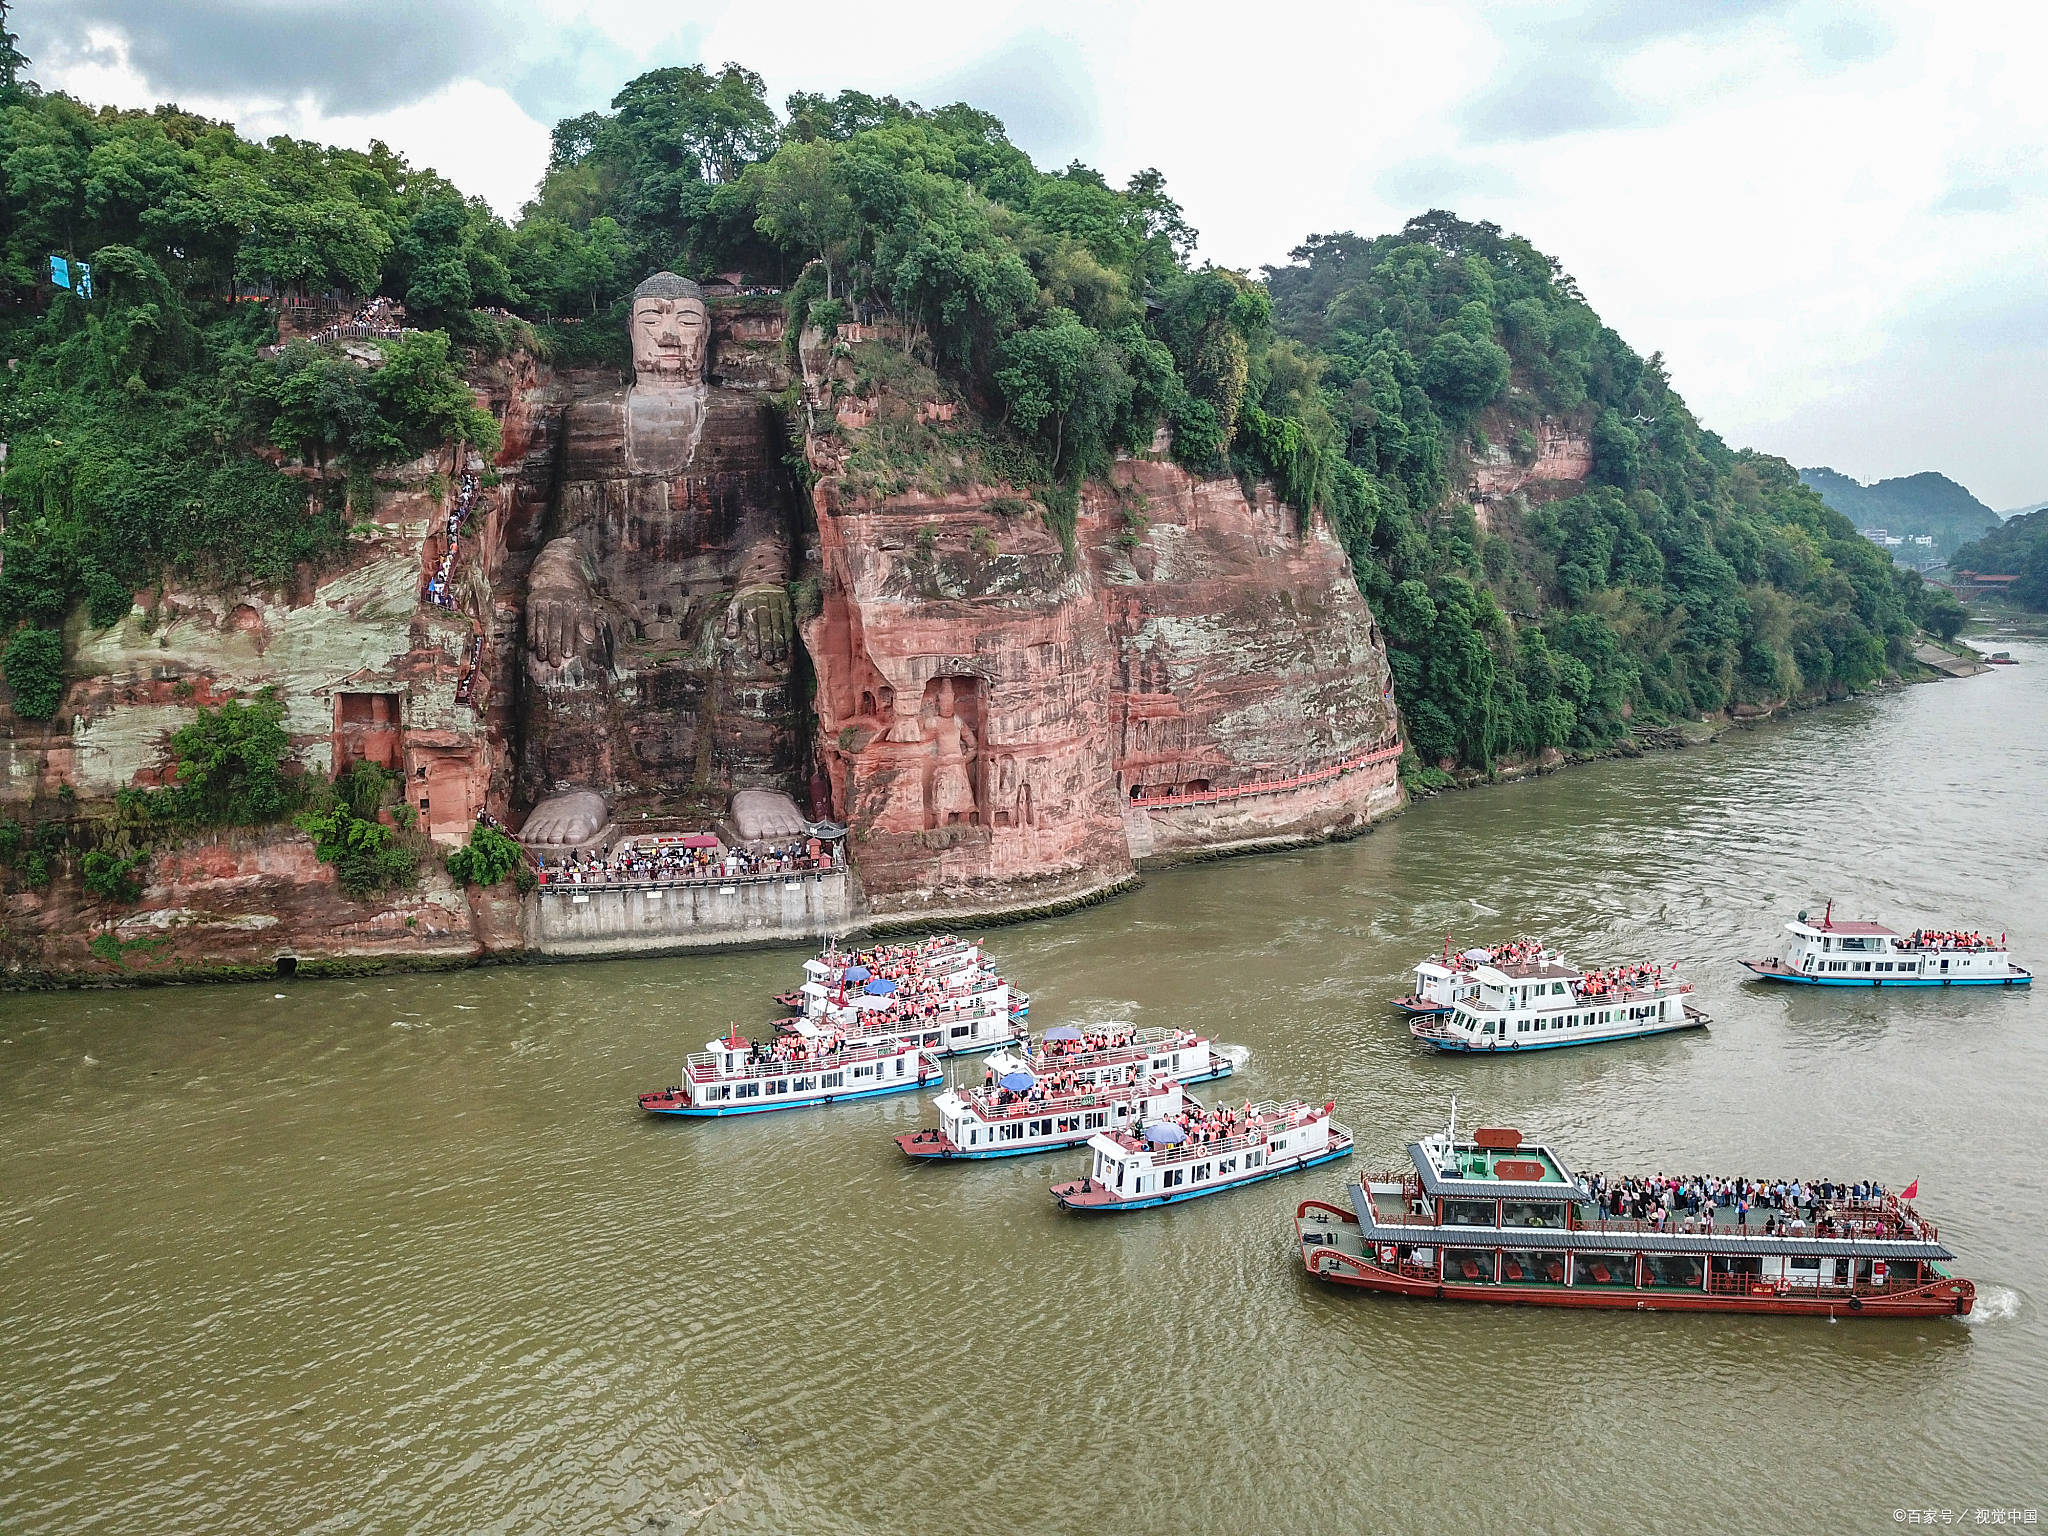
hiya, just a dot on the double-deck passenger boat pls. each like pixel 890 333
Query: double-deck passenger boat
pixel 1537 1002
pixel 732 1076
pixel 1864 954
pixel 947 1024
pixel 1493 1219
pixel 1017 1114
pixel 1099 1056
pixel 1168 1162
pixel 1443 981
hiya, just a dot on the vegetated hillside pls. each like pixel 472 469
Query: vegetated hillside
pixel 2017 547
pixel 1925 504
pixel 146 423
pixel 1685 576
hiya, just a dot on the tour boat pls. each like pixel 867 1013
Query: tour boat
pixel 1538 1002
pixel 1494 1219
pixel 1014 1116
pixel 733 1077
pixel 2001 659
pixel 1165 1164
pixel 1862 954
pixel 949 1025
pixel 1115 1056
pixel 1443 981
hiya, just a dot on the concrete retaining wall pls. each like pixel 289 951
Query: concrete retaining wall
pixel 620 920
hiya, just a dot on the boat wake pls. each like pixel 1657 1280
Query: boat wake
pixel 1995 1304
pixel 1236 1055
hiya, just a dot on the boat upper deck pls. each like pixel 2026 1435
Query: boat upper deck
pixel 708 1066
pixel 1262 1121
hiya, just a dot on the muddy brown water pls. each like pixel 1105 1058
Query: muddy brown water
pixel 400 1255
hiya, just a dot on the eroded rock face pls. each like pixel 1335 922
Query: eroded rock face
pixel 988 707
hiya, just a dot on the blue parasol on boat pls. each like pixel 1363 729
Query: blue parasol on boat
pixel 1164 1134
pixel 881 986
pixel 1016 1082
pixel 1063 1032
pixel 858 973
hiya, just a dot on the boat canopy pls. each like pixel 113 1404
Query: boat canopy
pixel 1016 1082
pixel 1165 1133
pixel 881 986
pixel 1062 1032
pixel 858 973
pixel 806 1028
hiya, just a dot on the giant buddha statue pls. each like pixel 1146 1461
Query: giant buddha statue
pixel 657 622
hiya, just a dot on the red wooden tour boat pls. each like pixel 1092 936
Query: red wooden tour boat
pixel 1494 1219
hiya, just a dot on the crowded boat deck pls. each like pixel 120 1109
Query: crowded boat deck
pixel 1202 1152
pixel 1836 953
pixel 1530 999
pixel 1495 1219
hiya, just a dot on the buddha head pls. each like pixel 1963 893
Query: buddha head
pixel 670 327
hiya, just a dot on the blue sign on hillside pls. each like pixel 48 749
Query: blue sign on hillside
pixel 60 271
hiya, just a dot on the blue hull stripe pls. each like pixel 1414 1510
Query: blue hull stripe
pixel 2021 980
pixel 1551 1045
pixel 1213 1189
pixel 808 1101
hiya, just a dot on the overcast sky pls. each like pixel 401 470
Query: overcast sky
pixel 1829 216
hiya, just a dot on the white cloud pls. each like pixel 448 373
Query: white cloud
pixel 1806 211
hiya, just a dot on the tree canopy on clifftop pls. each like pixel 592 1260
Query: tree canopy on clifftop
pixel 1363 377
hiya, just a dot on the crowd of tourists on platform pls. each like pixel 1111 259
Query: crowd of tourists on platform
pixel 465 690
pixel 1691 1204
pixel 796 1049
pixel 1205 1127
pixel 1620 980
pixel 631 864
pixel 440 586
pixel 1045 1088
pixel 1929 938
pixel 379 318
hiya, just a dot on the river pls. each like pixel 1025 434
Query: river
pixel 401 1255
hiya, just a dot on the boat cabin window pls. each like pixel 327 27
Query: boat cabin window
pixel 1522 1267
pixel 1603 1269
pixel 1531 1213
pixel 1470 1213
pixel 1470 1265
pixel 1673 1271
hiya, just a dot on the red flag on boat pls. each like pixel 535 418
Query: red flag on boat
pixel 1911 1191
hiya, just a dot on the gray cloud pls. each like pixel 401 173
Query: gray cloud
pixel 1443 181
pixel 345 55
pixel 1039 85
pixel 1557 77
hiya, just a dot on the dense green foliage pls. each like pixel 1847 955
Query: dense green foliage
pixel 489 857
pixel 344 824
pixel 113 876
pixel 1925 504
pixel 1687 577
pixel 231 770
pixel 1358 378
pixel 135 420
pixel 34 665
pixel 2017 547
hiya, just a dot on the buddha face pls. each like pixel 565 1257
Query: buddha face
pixel 668 340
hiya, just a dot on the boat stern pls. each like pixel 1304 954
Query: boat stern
pixel 926 1145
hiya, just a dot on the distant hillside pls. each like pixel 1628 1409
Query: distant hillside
pixel 1925 504
pixel 2017 547
pixel 2032 506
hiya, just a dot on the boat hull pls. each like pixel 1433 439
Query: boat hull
pixel 1076 1195
pixel 1945 1298
pixel 652 1103
pixel 1453 1047
pixel 1763 970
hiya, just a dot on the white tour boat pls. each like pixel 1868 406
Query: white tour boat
pixel 732 1076
pixel 1100 1056
pixel 1863 954
pixel 1538 1002
pixel 945 1024
pixel 1443 981
pixel 1017 1114
pixel 1167 1162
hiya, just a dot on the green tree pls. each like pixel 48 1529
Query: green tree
pixel 489 856
pixel 231 763
pixel 34 665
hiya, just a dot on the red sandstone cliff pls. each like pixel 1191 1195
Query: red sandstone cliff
pixel 1001 719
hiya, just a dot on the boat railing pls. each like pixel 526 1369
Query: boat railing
pixel 1116 1055
pixel 1273 1118
pixel 703 1066
pixel 986 1109
pixel 1887 1219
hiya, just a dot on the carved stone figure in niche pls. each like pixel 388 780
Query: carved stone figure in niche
pixel 670 529
pixel 952 743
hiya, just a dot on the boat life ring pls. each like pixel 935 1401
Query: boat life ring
pixel 1855 1303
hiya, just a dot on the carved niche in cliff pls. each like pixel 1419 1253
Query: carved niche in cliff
pixel 658 625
